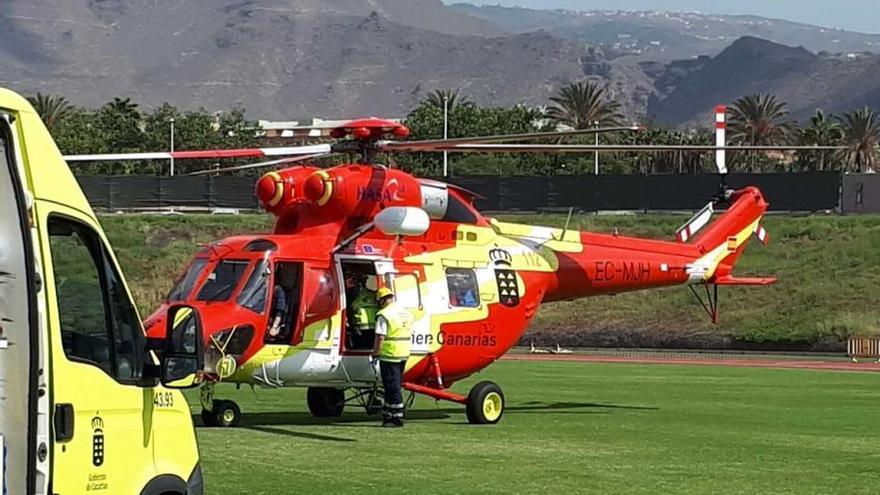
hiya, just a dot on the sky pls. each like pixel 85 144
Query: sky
pixel 853 15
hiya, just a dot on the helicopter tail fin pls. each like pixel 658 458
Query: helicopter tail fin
pixel 724 240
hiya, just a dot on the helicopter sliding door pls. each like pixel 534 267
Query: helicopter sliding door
pixel 360 282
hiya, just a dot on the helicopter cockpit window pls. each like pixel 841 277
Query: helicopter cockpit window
pixel 458 211
pixel 464 292
pixel 223 280
pixel 256 290
pixel 185 283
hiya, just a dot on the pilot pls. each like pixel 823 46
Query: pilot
pixel 281 315
pixel 391 347
pixel 363 309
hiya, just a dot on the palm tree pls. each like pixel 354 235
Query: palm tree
pixel 756 120
pixel 821 131
pixel 124 107
pixel 51 109
pixel 861 133
pixel 581 105
pixel 453 97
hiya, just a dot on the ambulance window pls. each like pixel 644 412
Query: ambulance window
pixel 99 325
pixel 256 289
pixel 185 283
pixel 223 280
pixel 464 292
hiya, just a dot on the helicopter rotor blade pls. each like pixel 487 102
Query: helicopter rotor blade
pixel 314 149
pixel 271 163
pixel 638 148
pixel 443 144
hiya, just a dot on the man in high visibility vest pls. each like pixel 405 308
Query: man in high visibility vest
pixel 362 312
pixel 392 345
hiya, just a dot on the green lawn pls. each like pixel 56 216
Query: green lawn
pixel 571 428
pixel 828 269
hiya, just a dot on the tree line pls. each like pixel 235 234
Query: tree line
pixel 761 120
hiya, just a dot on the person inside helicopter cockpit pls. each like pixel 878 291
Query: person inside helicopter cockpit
pixel 282 314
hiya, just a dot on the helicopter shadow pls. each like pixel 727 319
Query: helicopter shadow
pixel 563 408
pixel 259 420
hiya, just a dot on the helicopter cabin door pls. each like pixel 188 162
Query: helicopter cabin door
pixel 361 278
pixel 284 312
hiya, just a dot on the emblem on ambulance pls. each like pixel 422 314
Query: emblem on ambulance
pixel 505 276
pixel 97 441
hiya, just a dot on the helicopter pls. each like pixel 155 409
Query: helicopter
pixel 473 283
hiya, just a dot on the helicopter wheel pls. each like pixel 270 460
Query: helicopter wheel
pixel 226 413
pixel 485 404
pixel 325 402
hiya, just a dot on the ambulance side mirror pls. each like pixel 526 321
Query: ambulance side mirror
pixel 182 352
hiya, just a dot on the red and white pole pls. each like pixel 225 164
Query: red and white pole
pixel 721 138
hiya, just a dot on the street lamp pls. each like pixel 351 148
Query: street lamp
pixel 596 125
pixel 171 121
pixel 445 134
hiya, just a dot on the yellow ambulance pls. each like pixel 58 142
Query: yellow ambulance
pixel 86 407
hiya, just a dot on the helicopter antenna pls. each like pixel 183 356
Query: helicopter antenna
pixel 567 222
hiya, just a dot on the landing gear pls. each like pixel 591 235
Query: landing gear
pixel 215 412
pixel 325 402
pixel 225 414
pixel 485 404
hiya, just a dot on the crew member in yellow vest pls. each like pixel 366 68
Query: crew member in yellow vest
pixel 364 308
pixel 392 344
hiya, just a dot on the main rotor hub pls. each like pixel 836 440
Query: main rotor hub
pixel 371 129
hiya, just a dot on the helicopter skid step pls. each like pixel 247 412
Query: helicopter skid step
pixel 436 393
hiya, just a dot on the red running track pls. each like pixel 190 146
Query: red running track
pixel 710 361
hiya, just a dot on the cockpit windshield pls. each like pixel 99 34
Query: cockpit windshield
pixel 223 280
pixel 185 283
pixel 256 290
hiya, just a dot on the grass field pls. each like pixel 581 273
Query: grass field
pixel 571 428
pixel 828 267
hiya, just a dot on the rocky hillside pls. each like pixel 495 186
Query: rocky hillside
pixel 687 90
pixel 665 36
pixel 279 58
pixel 287 59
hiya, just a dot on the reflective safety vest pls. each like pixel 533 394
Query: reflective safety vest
pixel 396 345
pixel 364 309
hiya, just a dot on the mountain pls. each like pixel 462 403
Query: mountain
pixel 666 36
pixel 279 58
pixel 686 91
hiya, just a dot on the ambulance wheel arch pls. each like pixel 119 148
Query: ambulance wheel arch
pixel 165 485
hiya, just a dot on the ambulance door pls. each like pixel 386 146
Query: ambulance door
pixel 103 412
pixel 20 447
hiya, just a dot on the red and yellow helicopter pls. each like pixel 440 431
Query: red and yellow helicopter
pixel 472 283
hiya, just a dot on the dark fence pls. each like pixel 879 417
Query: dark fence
pixel 861 193
pixel 785 192
pixel 148 192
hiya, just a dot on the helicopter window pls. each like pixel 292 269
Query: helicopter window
pixel 256 290
pixel 324 300
pixel 186 282
pixel 222 281
pixel 463 288
pixel 261 245
pixel 458 211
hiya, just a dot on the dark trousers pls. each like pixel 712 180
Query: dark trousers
pixel 392 379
